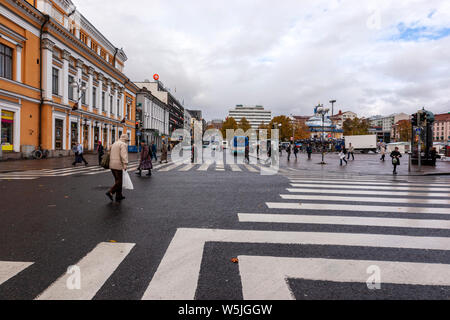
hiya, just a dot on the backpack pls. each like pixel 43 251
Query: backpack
pixel 105 161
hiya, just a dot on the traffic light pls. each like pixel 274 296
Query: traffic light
pixel 137 124
pixel 414 120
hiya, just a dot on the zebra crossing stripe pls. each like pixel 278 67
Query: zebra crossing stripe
pixel 338 186
pixel 355 207
pixel 431 186
pixel 204 167
pixel 188 167
pixel 344 220
pixel 95 268
pixel 9 269
pixel 355 198
pixel 171 167
pixel 378 193
pixel 177 275
pixel 307 179
pixel 18 178
pixel 250 168
pixel 264 278
pixel 235 167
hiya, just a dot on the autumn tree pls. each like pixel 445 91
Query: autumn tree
pixel 244 124
pixel 285 130
pixel 356 126
pixel 229 123
pixel 301 131
pixel 404 130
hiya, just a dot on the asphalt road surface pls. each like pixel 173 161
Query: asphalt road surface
pixel 295 235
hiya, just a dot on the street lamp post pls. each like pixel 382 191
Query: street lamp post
pixel 81 90
pixel 323 111
pixel 332 106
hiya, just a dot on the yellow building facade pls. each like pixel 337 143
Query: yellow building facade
pixel 61 80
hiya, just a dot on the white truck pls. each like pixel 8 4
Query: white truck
pixel 363 143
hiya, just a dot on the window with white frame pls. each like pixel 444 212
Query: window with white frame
pixel 55 81
pixel 6 61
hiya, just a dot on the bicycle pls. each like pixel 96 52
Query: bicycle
pixel 40 153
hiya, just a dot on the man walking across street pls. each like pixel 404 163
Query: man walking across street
pixel 395 155
pixel 163 152
pixel 100 152
pixel 350 151
pixel 342 157
pixel 309 151
pixel 295 151
pixel 154 151
pixel 118 163
pixel 79 155
pixel 288 150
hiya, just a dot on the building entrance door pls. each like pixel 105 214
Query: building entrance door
pixel 85 137
pixel 59 126
pixel 73 134
pixel 96 137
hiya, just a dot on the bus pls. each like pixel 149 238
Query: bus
pixel 239 144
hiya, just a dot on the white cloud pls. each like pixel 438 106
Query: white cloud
pixel 286 55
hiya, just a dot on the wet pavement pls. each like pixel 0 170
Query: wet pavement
pixel 363 164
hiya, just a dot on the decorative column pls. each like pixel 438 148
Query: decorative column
pixel 19 63
pixel 107 100
pixel 65 77
pixel 116 107
pixel 120 107
pixel 79 79
pixel 90 88
pixel 99 92
pixel 47 62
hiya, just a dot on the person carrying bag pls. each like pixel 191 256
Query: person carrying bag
pixel 118 163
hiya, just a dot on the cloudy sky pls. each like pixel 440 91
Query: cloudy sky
pixel 373 57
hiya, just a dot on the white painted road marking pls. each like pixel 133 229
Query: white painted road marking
pixel 344 220
pixel 354 198
pixel 204 167
pixel 188 167
pixel 392 184
pixel 171 167
pixel 264 278
pixel 365 192
pixel 235 167
pixel 354 207
pixel 177 275
pixel 9 269
pixel 250 168
pixel 96 267
pixel 319 186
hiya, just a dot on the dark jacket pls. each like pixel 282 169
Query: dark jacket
pixel 397 155
pixel 146 160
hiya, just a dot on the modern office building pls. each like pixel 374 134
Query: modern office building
pixel 254 114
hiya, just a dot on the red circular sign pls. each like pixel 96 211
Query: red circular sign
pixel 156 76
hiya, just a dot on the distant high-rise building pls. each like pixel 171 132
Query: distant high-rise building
pixel 254 114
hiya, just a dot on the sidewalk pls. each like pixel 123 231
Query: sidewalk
pixel 363 164
pixel 53 163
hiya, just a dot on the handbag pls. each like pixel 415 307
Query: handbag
pixel 126 183
pixel 105 161
pixel 394 161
